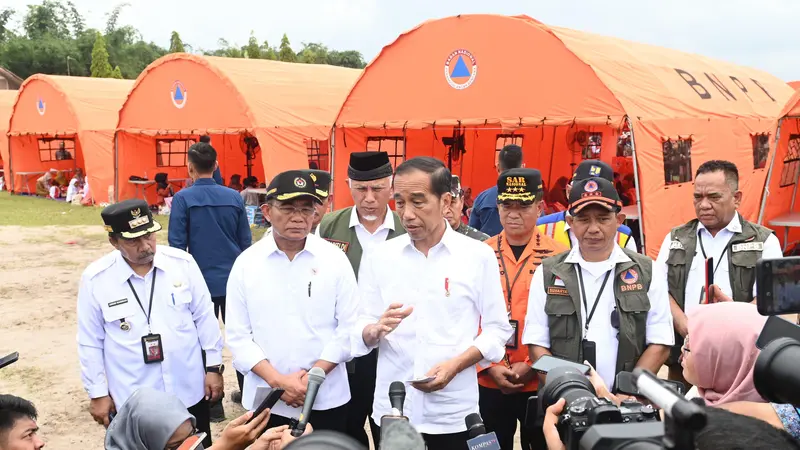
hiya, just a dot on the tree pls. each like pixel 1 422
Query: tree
pixel 116 73
pixel 176 44
pixel 46 19
pixel 268 52
pixel 101 68
pixel 285 52
pixel 5 16
pixel 348 58
pixel 313 53
pixel 252 50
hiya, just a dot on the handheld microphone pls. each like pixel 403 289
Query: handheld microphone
pixel 397 396
pixel 478 438
pixel 316 377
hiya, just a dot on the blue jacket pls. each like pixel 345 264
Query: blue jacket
pixel 210 222
pixel 485 216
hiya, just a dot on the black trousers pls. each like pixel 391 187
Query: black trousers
pixel 362 391
pixel 202 415
pixel 501 412
pixel 219 309
pixel 334 419
pixel 452 441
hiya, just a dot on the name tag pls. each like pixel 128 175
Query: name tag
pixel 676 245
pixel 557 290
pixel 341 244
pixel 748 247
pixel 118 302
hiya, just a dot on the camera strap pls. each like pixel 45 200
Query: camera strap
pixel 596 300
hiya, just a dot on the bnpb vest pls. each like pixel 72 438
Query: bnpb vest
pixel 563 307
pixel 554 226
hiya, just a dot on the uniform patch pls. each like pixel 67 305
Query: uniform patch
pixel 748 247
pixel 632 287
pixel 118 302
pixel 558 282
pixel 676 245
pixel 590 186
pixel 629 277
pixel 557 290
pixel 341 244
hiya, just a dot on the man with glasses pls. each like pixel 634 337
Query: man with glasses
pixel 453 213
pixel 292 304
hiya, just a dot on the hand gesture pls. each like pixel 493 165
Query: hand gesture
pixel 269 438
pixel 295 388
pixel 444 373
pixel 287 438
pixel 101 408
pixel 239 434
pixel 506 379
pixel 214 387
pixel 387 323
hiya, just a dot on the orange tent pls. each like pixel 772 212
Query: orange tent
pixel 460 88
pixel 795 85
pixel 262 116
pixel 7 98
pixel 79 113
pixel 780 197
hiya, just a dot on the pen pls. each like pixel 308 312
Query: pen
pixel 309 289
pixel 173 299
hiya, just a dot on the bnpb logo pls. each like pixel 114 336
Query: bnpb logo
pixel 41 106
pixel 459 73
pixel 178 94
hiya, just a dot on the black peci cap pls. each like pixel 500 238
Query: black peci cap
pixel 594 191
pixel 368 166
pixel 523 185
pixel 322 181
pixel 130 219
pixel 593 168
pixel 292 184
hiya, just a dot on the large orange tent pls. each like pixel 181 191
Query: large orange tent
pixel 795 85
pixel 79 112
pixel 460 88
pixel 286 109
pixel 7 98
pixel 780 197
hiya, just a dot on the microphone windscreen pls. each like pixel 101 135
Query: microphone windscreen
pixel 397 387
pixel 400 435
pixel 316 374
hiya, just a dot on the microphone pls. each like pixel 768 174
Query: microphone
pixel 400 435
pixel 397 396
pixel 478 438
pixel 316 377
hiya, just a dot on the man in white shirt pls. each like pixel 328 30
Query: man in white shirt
pixel 720 234
pixel 599 302
pixel 144 315
pixel 424 297
pixel 292 304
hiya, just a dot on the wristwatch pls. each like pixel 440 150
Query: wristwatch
pixel 216 369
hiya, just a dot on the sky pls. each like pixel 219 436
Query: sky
pixel 755 33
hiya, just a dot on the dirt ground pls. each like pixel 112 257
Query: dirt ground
pixel 40 269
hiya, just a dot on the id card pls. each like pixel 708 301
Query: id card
pixel 152 350
pixel 511 343
pixel 589 352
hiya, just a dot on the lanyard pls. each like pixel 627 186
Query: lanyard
pixel 703 249
pixel 596 301
pixel 509 284
pixel 136 296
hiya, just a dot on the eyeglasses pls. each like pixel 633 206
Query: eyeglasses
pixel 684 349
pixel 291 210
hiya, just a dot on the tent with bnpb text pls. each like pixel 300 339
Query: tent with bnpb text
pixel 460 88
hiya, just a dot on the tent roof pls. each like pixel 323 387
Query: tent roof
pixel 93 103
pixel 269 93
pixel 7 99
pixel 792 107
pixel 795 85
pixel 553 75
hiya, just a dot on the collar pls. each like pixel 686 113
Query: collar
pixel 125 272
pixel 388 221
pixel 204 182
pixel 566 224
pixel 734 226
pixel 448 241
pixel 506 247
pixel 311 245
pixel 617 257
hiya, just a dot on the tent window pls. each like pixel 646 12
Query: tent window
pixel 677 161
pixel 593 146
pixel 393 145
pixel 791 164
pixel 172 152
pixel 49 149
pixel 760 150
pixel 317 158
pixel 502 141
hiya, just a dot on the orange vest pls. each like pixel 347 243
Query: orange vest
pixel 539 247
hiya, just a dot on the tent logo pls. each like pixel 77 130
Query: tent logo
pixel 458 73
pixel 41 106
pixel 178 94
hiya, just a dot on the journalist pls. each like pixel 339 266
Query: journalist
pixel 18 428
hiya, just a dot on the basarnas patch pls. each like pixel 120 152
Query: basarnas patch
pixel 341 244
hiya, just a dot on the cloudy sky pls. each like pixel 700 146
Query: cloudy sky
pixel 757 33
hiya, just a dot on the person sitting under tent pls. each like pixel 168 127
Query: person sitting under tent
pixel 250 198
pixel 75 189
pixel 62 153
pixel 164 190
pixel 43 183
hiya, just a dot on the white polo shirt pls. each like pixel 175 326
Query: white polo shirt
pixel 455 291
pixel 182 313
pixel 715 248
pixel 292 313
pixel 659 318
pixel 369 240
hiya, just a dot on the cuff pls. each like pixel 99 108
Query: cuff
pixel 484 368
pixel 248 356
pixel 358 347
pixel 333 354
pixel 213 357
pixel 97 391
pixel 491 351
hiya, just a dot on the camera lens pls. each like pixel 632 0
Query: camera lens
pixel 775 373
pixel 567 383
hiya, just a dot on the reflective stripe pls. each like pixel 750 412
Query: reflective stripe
pixel 561 235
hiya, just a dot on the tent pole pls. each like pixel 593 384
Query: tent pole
pixel 638 186
pixel 332 159
pixel 9 173
pixel 116 168
pixel 769 173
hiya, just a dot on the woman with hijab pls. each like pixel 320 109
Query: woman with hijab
pixel 720 352
pixel 154 420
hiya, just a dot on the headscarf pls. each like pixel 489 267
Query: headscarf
pixel 147 421
pixel 722 340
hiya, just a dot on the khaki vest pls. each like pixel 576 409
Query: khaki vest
pixel 335 228
pixel 563 307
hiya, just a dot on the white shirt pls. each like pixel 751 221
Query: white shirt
pixel 440 328
pixel 271 315
pixel 659 318
pixel 111 358
pixel 72 190
pixel 714 246
pixel 369 240
pixel 630 245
